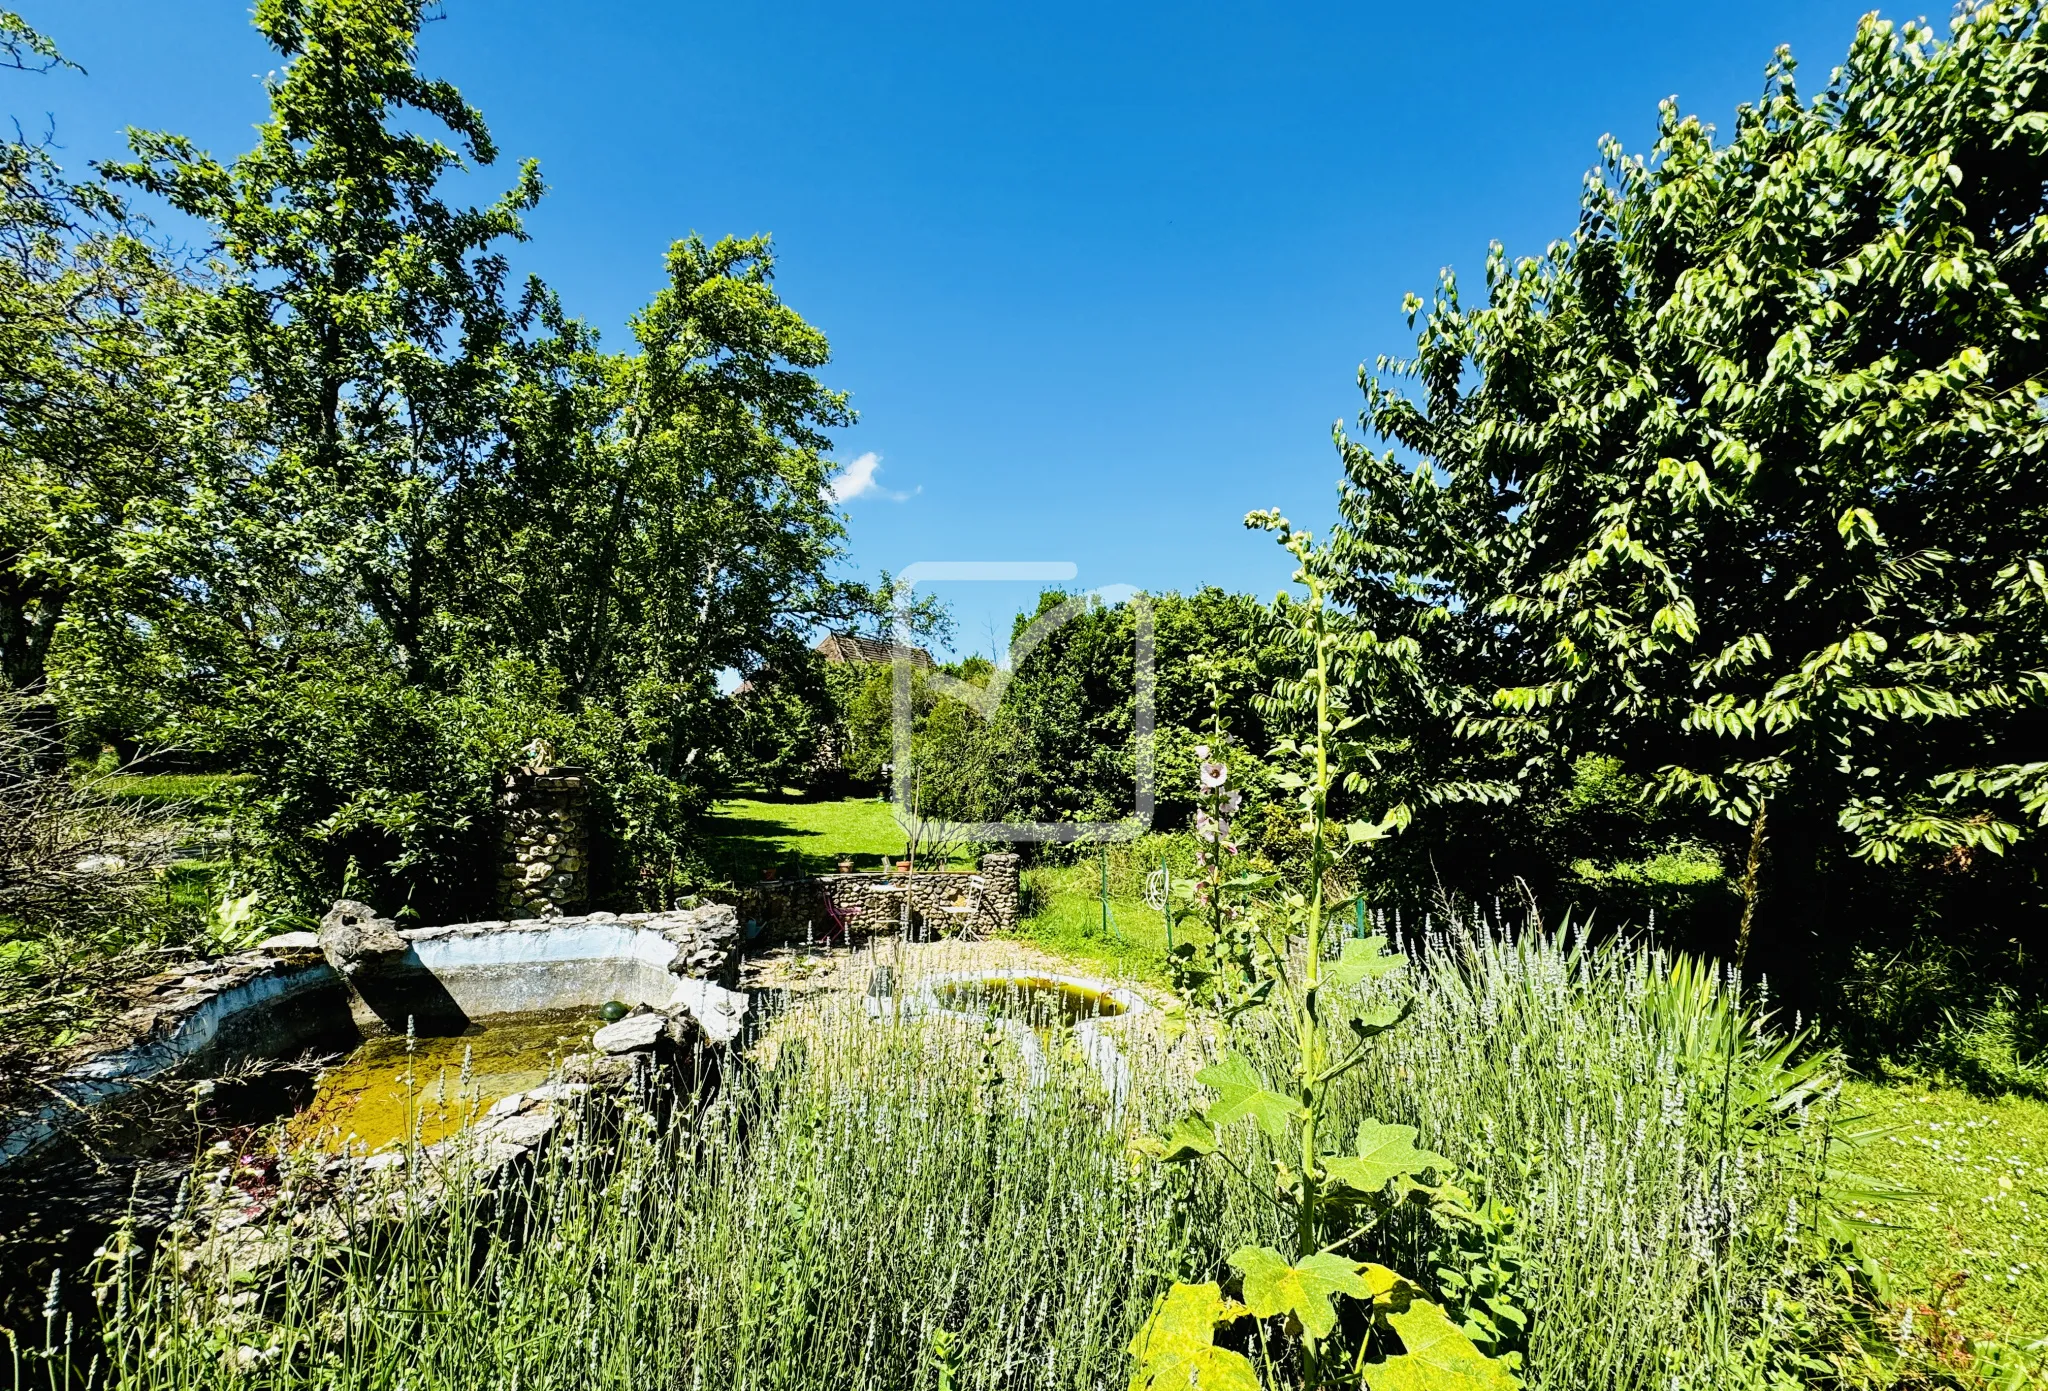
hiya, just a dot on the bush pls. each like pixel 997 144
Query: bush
pixel 1994 1049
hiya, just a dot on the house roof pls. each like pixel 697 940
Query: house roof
pixel 852 647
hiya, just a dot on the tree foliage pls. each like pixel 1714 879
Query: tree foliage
pixel 1744 483
pixel 350 507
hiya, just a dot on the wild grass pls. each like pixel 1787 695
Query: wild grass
pixel 205 788
pixel 1663 1151
pixel 880 1205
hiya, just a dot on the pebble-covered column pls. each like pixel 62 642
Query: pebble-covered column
pixel 547 857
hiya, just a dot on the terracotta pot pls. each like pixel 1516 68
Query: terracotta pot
pixel 768 873
pixel 845 865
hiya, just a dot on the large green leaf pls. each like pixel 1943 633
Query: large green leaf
pixel 1374 1022
pixel 1241 1092
pixel 1382 1153
pixel 1273 1287
pixel 1176 1348
pixel 1365 957
pixel 1191 1138
pixel 1439 1356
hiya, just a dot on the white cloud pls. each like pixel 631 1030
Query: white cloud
pixel 857 479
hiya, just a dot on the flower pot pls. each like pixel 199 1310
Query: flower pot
pixel 845 865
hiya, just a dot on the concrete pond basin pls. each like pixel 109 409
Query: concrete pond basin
pixel 361 978
pixel 352 1049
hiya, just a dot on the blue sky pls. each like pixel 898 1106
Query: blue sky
pixel 1099 277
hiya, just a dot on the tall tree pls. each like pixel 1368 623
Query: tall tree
pixel 1747 482
pixel 91 484
pixel 456 522
pixel 368 314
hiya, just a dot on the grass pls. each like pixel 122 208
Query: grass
pixel 1975 1239
pixel 1660 1152
pixel 869 1206
pixel 170 787
pixel 793 833
pixel 878 1206
pixel 1065 917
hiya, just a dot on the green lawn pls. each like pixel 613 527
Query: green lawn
pixel 172 787
pixel 1982 1166
pixel 1066 918
pixel 795 834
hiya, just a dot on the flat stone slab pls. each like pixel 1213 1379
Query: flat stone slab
pixel 290 941
pixel 636 1033
pixel 719 1012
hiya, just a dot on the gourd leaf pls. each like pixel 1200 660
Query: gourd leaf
pixel 1383 1153
pixel 1374 1022
pixel 1241 1092
pixel 1191 1138
pixel 1439 1356
pixel 1273 1287
pixel 1363 957
pixel 1176 1347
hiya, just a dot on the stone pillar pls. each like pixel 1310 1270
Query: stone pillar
pixel 546 869
pixel 1002 904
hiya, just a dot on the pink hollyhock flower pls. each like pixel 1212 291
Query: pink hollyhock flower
pixel 1214 774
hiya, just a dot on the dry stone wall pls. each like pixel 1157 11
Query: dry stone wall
pixel 793 910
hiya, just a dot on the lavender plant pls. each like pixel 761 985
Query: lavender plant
pixel 1320 1316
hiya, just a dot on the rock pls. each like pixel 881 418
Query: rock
pixel 512 1105
pixel 599 1068
pixel 634 1034
pixel 290 941
pixel 352 934
pixel 720 1013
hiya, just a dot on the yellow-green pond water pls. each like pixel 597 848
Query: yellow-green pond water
pixel 389 1086
pixel 1038 1000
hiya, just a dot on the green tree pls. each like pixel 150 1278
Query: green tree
pixel 1069 711
pixel 367 314
pixel 93 485
pixel 449 501
pixel 1745 483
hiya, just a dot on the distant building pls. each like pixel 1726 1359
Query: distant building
pixel 852 647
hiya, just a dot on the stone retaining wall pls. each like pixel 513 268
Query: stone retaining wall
pixel 792 910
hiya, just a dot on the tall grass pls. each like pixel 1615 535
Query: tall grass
pixel 1663 1148
pixel 889 1205
pixel 880 1203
